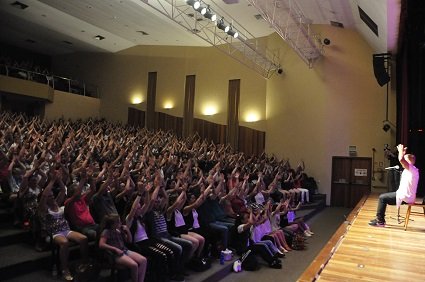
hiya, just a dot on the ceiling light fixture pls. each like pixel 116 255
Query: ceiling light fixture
pixel 194 3
pixel 202 10
pixel 221 25
pixel 210 15
pixel 232 32
pixel 99 37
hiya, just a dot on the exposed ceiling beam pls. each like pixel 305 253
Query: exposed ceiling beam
pixel 245 48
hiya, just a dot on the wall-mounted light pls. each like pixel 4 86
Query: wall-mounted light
pixel 210 110
pixel 168 105
pixel 136 100
pixel 252 117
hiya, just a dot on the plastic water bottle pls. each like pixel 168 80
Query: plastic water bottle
pixel 221 257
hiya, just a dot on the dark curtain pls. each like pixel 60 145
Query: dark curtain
pixel 411 76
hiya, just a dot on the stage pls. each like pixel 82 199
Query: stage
pixel 359 252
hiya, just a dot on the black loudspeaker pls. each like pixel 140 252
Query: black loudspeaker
pixel 379 69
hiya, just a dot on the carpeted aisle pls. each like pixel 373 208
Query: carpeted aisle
pixel 324 225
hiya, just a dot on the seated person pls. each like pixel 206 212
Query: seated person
pixel 113 238
pixel 241 241
pixel 406 191
pixel 56 225
pixel 77 208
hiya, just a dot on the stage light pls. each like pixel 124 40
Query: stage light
pixel 221 25
pixel 232 32
pixel 194 3
pixel 210 15
pixel 202 10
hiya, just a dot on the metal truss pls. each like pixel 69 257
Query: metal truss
pixel 245 48
pixel 289 22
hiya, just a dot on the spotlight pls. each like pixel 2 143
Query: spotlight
pixel 202 10
pixel 194 3
pixel 232 32
pixel 221 25
pixel 210 15
pixel 326 41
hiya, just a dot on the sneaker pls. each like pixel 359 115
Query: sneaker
pixel 377 222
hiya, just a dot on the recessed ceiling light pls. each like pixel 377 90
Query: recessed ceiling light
pixel 19 5
pixel 99 37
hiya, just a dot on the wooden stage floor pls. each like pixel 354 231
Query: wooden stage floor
pixel 366 253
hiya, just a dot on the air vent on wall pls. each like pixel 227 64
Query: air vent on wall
pixel 258 17
pixel 337 24
pixel 368 21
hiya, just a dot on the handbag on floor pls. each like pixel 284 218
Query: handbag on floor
pixel 298 242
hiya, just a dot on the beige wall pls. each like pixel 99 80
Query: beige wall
pixel 26 87
pixel 123 75
pixel 308 114
pixel 314 114
pixel 71 106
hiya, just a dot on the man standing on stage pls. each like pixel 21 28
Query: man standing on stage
pixel 406 191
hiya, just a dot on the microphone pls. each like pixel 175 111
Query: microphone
pixel 392 167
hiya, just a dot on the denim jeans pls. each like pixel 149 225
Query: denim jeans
pixel 384 200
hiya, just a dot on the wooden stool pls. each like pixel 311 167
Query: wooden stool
pixel 406 222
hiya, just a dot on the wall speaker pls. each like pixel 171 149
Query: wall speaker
pixel 380 71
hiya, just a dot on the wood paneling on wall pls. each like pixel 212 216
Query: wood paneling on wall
pixel 210 131
pixel 167 122
pixel 136 117
pixel 251 141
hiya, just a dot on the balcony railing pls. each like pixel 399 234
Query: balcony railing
pixel 56 82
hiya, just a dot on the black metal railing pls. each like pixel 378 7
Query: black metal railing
pixel 56 82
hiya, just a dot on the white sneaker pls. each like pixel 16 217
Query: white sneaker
pixel 307 234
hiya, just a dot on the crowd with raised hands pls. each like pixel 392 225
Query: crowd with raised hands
pixel 154 202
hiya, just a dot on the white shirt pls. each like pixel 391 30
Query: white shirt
pixel 408 184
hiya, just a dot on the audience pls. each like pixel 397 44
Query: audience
pixel 180 199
